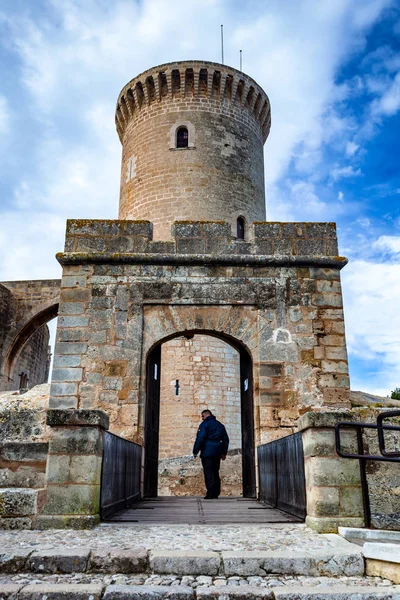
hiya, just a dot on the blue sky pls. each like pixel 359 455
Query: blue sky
pixel 332 71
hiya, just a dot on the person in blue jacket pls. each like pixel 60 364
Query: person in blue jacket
pixel 212 441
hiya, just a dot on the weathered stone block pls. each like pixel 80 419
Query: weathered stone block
pixel 321 230
pixel 9 591
pixel 70 348
pixel 190 245
pixel 94 418
pixel 323 502
pixel 319 442
pixel 331 524
pixel 78 522
pixel 67 374
pixel 76 440
pixel 237 592
pixel 61 591
pixel 180 229
pixel 351 502
pixel 72 500
pixel 136 228
pixel 17 502
pixel 59 561
pixel 14 560
pixel 334 563
pixel 185 563
pixel 11 523
pixel 85 469
pixel 73 321
pixel 73 281
pixel 63 389
pixel 383 569
pixel 217 229
pixel 148 592
pixel 114 560
pixel 71 308
pixel 326 419
pixel 24 451
pixel 69 360
pixel 57 470
pixel 335 592
pixel 324 471
pixel 311 247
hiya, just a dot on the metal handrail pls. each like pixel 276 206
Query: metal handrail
pixel 381 433
pixel 384 455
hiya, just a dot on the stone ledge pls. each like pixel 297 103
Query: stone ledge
pixel 342 592
pixel 370 535
pixel 58 591
pixel 344 562
pixel 148 592
pixel 181 562
pixel 113 560
pixel 332 524
pixel 79 522
pixel 75 417
pixel 234 592
pixel 386 552
pixel 255 260
pixel 61 561
pixel 324 419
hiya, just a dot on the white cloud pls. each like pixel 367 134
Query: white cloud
pixel 364 222
pixel 371 293
pixel 389 103
pixel 351 148
pixel 340 196
pixel 344 172
pixel 4 115
pixel 389 244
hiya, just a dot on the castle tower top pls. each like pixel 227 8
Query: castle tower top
pixel 192 135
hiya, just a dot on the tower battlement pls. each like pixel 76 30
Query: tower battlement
pixel 192 137
pixel 193 81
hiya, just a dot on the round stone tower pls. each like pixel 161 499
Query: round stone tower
pixel 192 137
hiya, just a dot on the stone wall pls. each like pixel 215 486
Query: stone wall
pixel 220 174
pixel 25 308
pixel 207 370
pixel 277 296
pixel 34 359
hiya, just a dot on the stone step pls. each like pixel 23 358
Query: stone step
pixel 19 506
pixel 343 560
pixel 40 591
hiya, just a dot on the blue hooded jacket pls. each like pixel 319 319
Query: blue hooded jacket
pixel 211 440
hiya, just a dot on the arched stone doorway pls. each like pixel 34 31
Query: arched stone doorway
pixel 152 412
pixel 27 328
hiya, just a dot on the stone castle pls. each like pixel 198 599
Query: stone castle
pixel 190 299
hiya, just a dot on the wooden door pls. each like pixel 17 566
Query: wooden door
pixel 247 411
pixel 152 422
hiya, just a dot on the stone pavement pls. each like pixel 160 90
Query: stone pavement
pixel 276 561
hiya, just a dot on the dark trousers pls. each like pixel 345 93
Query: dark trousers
pixel 211 476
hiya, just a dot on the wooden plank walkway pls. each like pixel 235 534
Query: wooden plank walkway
pixel 197 511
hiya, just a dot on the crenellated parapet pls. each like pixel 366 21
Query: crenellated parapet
pixel 194 81
pixel 201 242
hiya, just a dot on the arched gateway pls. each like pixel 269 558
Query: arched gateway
pixel 175 264
pixel 152 413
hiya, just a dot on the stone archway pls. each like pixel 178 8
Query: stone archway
pixel 26 328
pixel 232 324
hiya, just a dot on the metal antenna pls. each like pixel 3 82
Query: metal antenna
pixel 222 43
pixel 240 52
